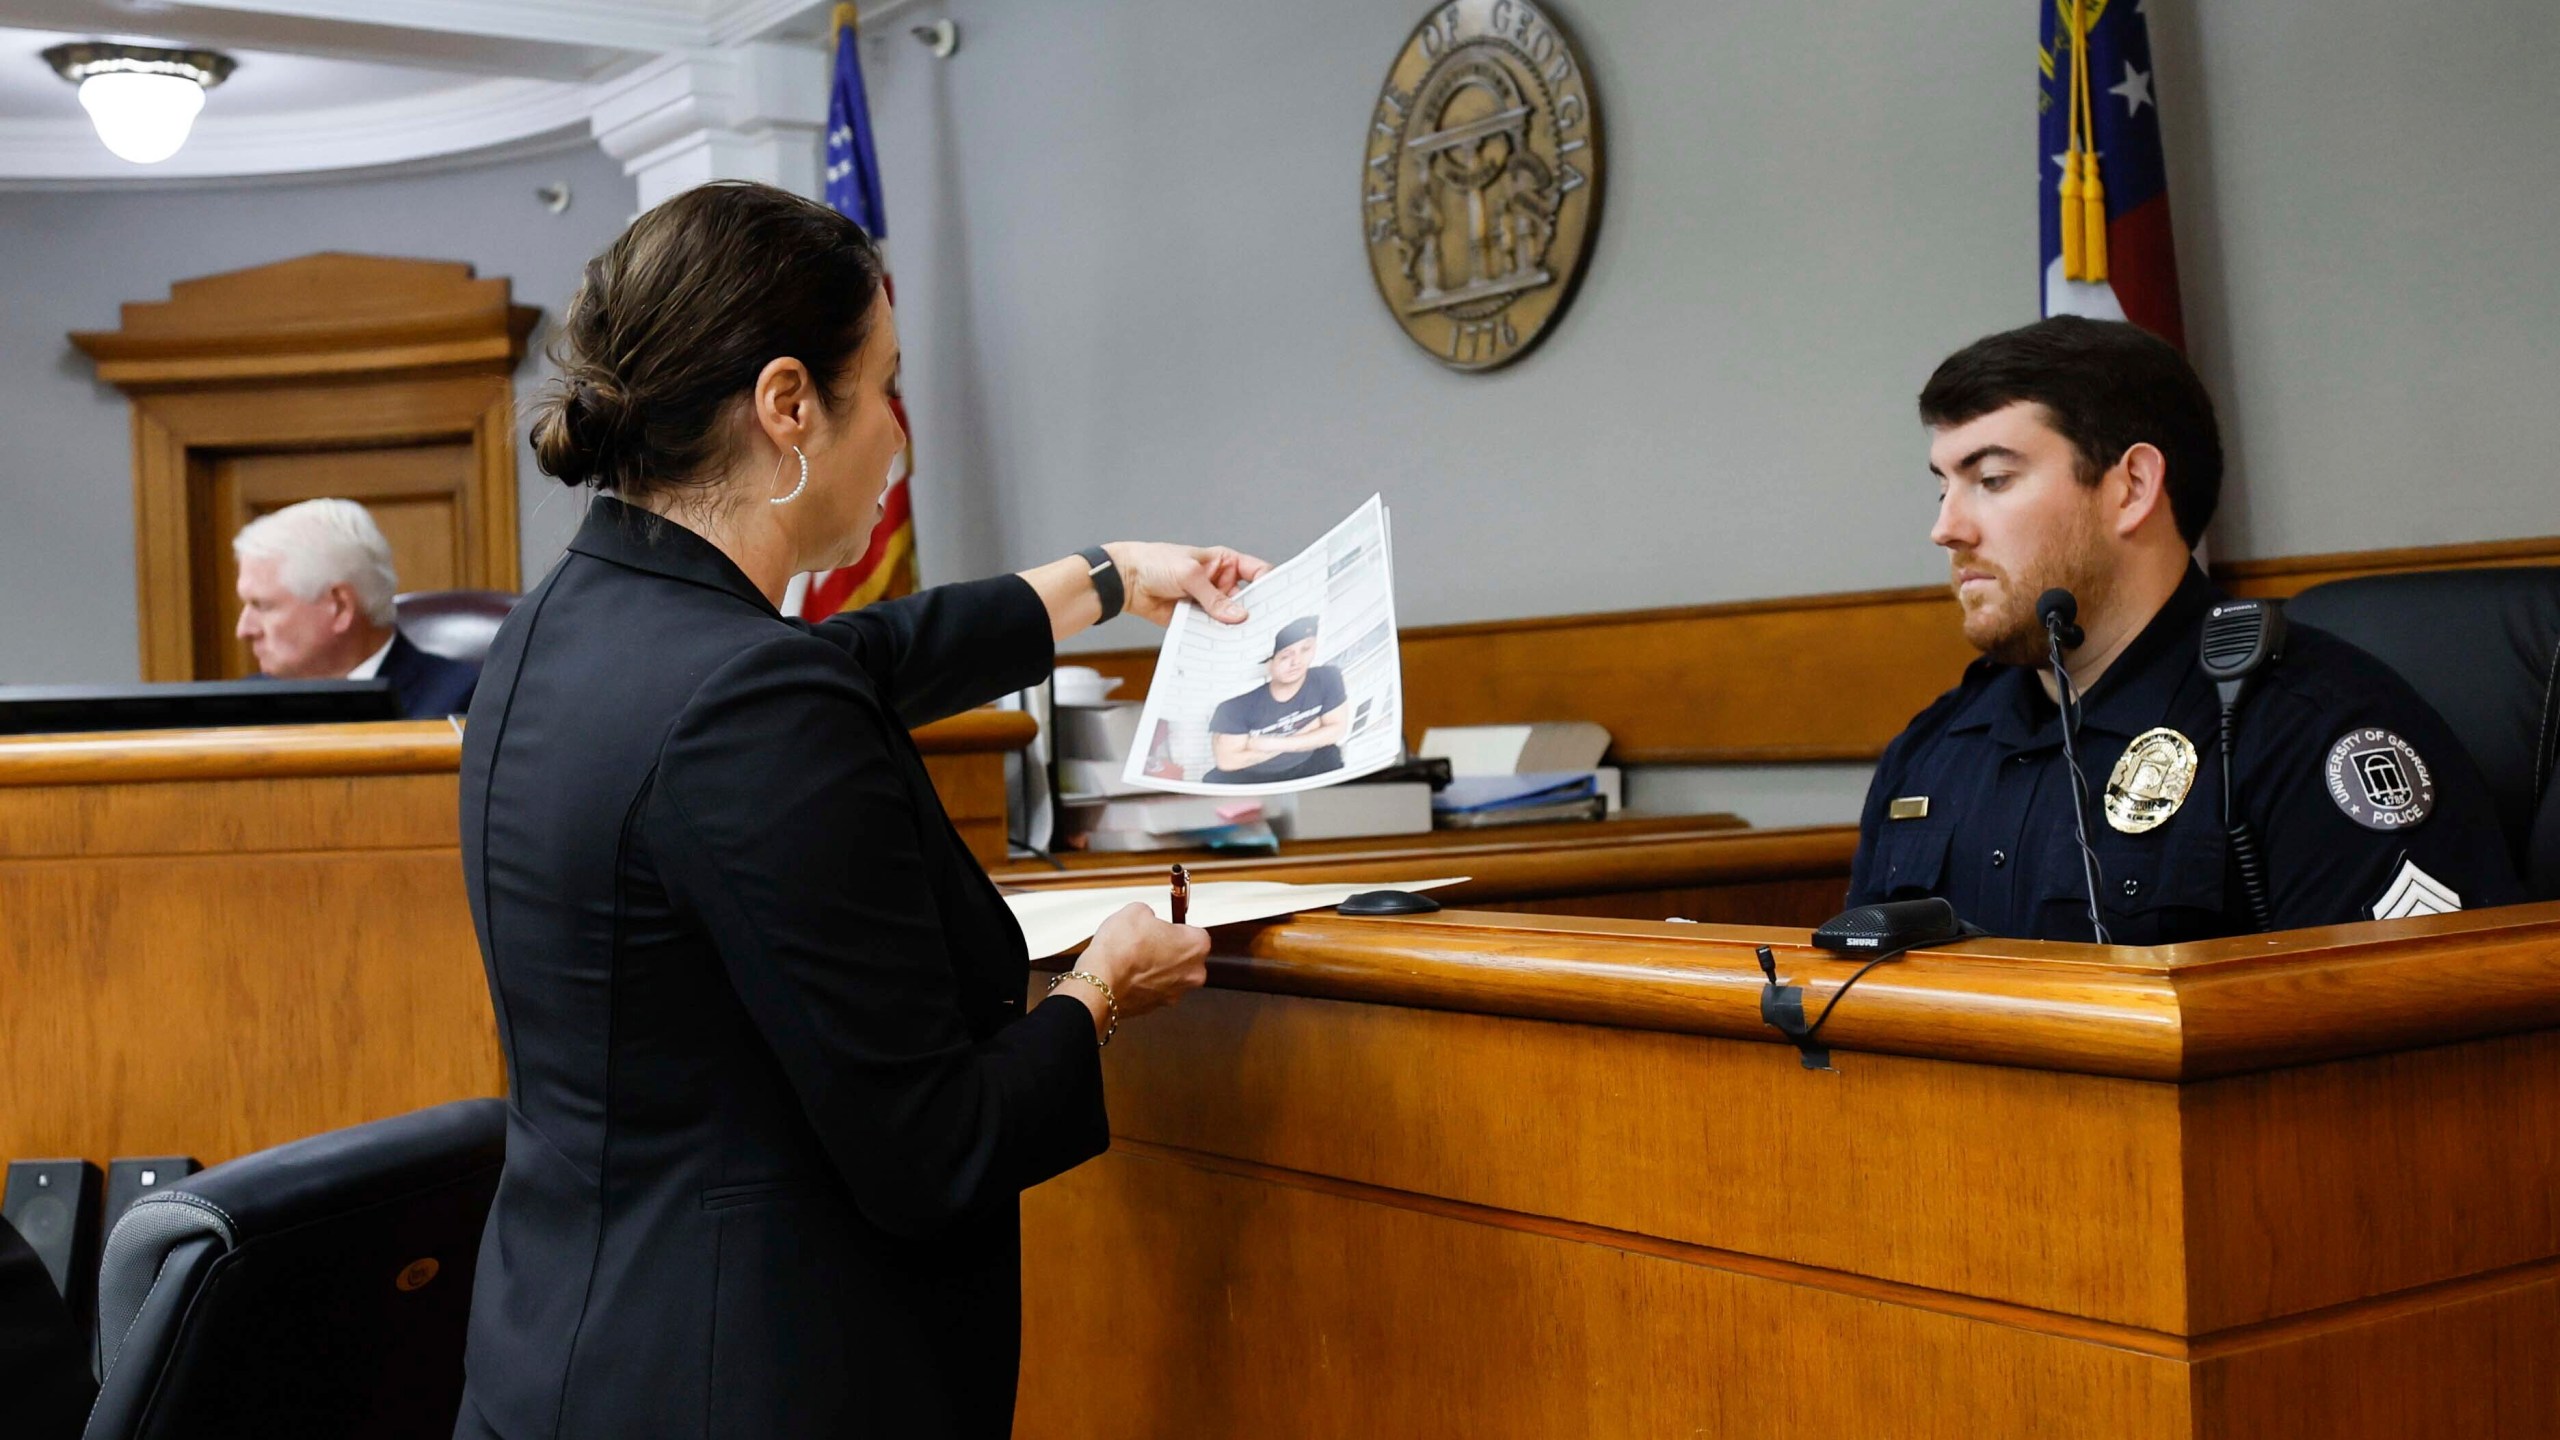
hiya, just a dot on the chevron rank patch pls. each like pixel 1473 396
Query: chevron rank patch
pixel 2415 892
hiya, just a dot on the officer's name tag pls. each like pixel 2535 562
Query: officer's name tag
pixel 1909 807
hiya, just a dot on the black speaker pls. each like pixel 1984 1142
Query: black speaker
pixel 130 1180
pixel 54 1206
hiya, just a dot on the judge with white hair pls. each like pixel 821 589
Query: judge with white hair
pixel 316 582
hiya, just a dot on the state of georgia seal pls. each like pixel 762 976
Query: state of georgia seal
pixel 1481 187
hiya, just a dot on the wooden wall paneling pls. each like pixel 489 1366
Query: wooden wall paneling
pixel 1275 1308
pixel 291 816
pixel 2460 1362
pixel 328 352
pixel 2379 1167
pixel 2042 1190
pixel 1283 1306
pixel 1809 678
pixel 1350 1195
pixel 974 795
pixel 218 940
pixel 216 1004
pixel 164 516
pixel 2278 577
pixel 493 500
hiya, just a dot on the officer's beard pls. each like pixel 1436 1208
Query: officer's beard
pixel 2003 625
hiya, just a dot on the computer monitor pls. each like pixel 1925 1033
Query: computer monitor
pixel 56 709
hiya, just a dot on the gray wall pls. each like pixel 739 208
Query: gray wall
pixel 1136 301
pixel 66 469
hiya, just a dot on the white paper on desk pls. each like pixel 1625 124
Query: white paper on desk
pixel 1056 921
pixel 1344 584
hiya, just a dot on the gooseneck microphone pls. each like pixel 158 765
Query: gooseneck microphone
pixel 2057 609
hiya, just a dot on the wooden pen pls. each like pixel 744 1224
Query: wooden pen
pixel 1181 895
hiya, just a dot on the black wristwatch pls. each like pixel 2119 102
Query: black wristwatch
pixel 1106 579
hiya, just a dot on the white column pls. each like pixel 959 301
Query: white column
pixel 750 112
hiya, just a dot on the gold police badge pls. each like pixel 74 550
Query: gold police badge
pixel 2150 781
pixel 1481 187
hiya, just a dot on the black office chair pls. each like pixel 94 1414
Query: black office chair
pixel 317 1290
pixel 456 624
pixel 2482 647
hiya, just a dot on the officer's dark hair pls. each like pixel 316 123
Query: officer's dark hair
pixel 2107 387
pixel 674 321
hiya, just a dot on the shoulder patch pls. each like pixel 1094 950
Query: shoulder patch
pixel 2379 781
pixel 2415 892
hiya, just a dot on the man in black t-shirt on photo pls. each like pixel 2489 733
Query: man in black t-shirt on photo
pixel 1287 729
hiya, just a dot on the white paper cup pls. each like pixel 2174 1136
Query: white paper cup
pixel 1083 685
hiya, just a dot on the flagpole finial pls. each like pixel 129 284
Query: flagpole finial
pixel 848 17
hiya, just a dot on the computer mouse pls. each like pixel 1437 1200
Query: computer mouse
pixel 1387 902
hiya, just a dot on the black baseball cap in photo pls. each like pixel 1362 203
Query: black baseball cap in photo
pixel 1302 628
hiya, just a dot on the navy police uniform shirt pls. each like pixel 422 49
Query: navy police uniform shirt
pixel 2364 804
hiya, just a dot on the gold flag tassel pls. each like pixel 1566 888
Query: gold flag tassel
pixel 2073 241
pixel 2093 202
pixel 2092 219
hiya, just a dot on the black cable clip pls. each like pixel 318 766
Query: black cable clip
pixel 1877 933
pixel 1782 1006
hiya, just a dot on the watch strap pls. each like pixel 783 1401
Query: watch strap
pixel 1106 579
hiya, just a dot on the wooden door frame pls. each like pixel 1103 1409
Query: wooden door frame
pixel 324 351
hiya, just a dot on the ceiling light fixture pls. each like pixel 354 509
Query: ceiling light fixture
pixel 142 99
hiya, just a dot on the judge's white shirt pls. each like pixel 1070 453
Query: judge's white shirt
pixel 372 664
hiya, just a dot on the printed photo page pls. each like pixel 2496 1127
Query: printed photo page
pixel 1308 692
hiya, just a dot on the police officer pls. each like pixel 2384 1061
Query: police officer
pixel 2084 454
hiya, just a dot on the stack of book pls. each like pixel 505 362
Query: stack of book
pixel 1522 774
pixel 1475 801
pixel 1098 810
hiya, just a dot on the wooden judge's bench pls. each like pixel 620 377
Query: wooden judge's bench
pixel 1490 1173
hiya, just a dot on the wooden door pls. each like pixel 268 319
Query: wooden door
pixel 385 381
pixel 416 493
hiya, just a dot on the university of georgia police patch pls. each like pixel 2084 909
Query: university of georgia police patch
pixel 2378 781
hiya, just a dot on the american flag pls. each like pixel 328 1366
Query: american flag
pixel 2104 196
pixel 888 568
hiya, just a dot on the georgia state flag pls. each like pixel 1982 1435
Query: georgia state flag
pixel 2142 269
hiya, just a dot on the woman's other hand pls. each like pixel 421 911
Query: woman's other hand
pixel 1157 577
pixel 1147 963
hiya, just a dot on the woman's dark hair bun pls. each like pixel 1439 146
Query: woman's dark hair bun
pixel 674 321
pixel 578 427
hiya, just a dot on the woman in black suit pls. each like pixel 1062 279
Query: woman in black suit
pixel 773 1092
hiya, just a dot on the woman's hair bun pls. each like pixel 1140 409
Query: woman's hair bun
pixel 578 426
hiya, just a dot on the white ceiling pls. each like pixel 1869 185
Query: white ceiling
pixel 328 84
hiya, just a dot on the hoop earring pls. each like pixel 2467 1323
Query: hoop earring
pixel 796 489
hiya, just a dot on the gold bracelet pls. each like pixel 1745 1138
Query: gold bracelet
pixel 1110 1002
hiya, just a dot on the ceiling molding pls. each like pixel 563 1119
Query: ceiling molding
pixel 637 75
pixel 642 25
pixel 480 116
